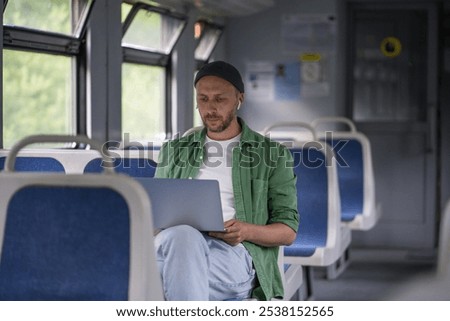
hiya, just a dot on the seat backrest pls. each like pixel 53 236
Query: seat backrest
pixel 289 132
pixel 350 166
pixel 35 164
pixel 192 130
pixel 76 237
pixel 317 191
pixel 130 162
pixel 317 197
pixel 150 150
pixel 68 160
pixel 355 173
pixel 135 163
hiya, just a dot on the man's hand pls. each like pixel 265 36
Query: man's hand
pixel 235 232
pixel 274 234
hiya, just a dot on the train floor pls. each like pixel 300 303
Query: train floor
pixel 370 277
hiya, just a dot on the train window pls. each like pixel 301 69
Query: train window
pixel 37 95
pixel 149 35
pixel 126 8
pixel 43 44
pixel 67 17
pixel 165 29
pixel 197 119
pixel 207 35
pixel 143 90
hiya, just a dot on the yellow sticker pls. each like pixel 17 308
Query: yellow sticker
pixel 310 57
pixel 391 47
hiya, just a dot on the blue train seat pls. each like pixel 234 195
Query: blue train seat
pixel 288 132
pixel 355 173
pixel 59 242
pixel 150 149
pixel 70 161
pixel 134 167
pixel 321 239
pixel 192 130
pixel 35 164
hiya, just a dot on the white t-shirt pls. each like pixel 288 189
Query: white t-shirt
pixel 217 164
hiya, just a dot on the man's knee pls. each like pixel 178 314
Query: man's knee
pixel 179 236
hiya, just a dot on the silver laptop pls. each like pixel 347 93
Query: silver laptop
pixel 194 202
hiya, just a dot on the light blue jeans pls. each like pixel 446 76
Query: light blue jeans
pixel 195 266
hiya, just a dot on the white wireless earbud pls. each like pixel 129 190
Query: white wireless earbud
pixel 239 105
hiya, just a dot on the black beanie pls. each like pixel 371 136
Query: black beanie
pixel 223 70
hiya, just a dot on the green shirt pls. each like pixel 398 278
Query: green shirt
pixel 263 186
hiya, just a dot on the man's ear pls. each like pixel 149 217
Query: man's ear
pixel 241 100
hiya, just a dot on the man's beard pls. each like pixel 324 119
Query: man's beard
pixel 223 125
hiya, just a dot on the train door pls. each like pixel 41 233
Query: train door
pixel 392 97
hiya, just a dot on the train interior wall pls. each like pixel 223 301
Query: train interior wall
pixel 257 42
pixel 259 39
